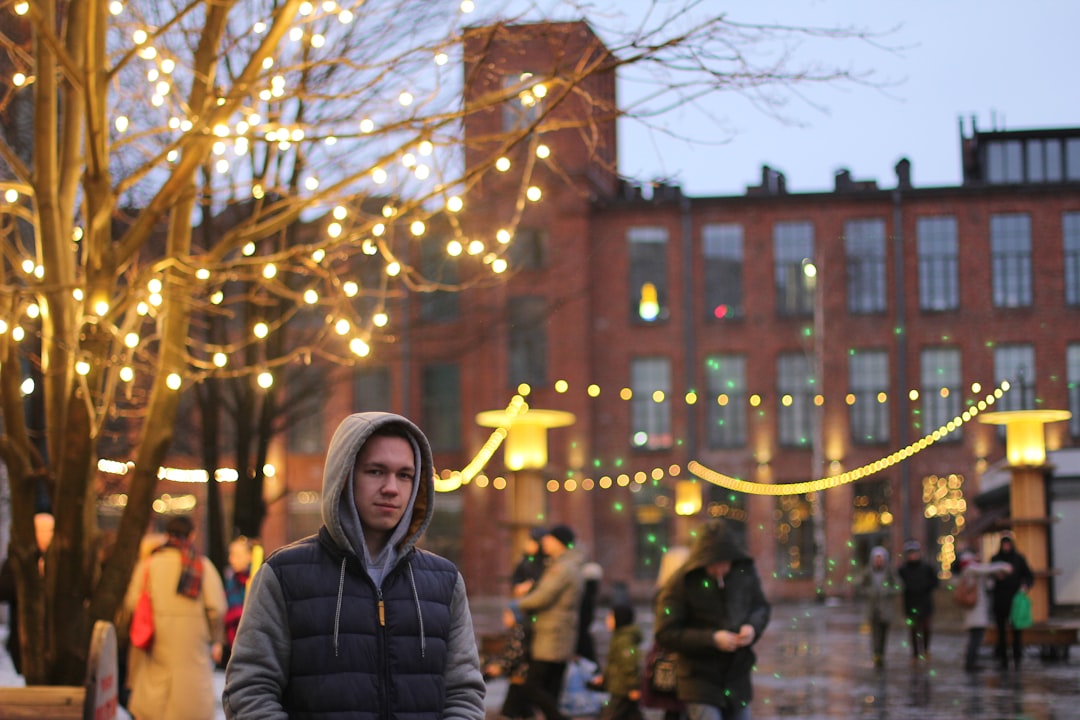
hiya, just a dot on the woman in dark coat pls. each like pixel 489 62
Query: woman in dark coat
pixel 1005 588
pixel 528 571
pixel 711 612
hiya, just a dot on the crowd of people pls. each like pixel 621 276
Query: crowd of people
pixel 359 620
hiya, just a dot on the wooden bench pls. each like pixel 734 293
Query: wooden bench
pixel 1053 637
pixel 96 700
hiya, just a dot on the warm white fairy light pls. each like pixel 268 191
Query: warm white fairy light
pixel 367 125
pixel 378 229
pixel 334 229
pixel 475 247
pixel 454 248
pixel 173 381
pixel 533 193
pixel 82 367
pixel 248 250
pixel 543 151
pixel 350 288
pixel 417 228
pixel 422 172
pixel 222 166
pixel 127 374
pixel 217 297
pixel 408 160
pixel 380 319
pixel 311 296
pixel 33 311
pixel 28 266
pixel 260 330
pixel 318 40
pixel 116 7
pixel 502 164
pixel 405 98
pixel 503 236
pixel 258 28
pixel 311 183
pixel 359 347
pixel 441 58
pixel 131 340
pixel 220 359
pixel 467 6
pixel 455 204
pixel 345 17
pixel 499 265
pixel 27 386
pixel 378 176
pixel 342 327
pixel 11 195
pixel 393 269
pixel 269 271
pixel 17 333
pixel 155 299
pixel 265 380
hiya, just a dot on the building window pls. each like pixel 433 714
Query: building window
pixel 725 380
pixel 1010 249
pixel 864 244
pixel 436 266
pixel 1005 162
pixel 1070 225
pixel 527 315
pixel 941 394
pixel 793 248
pixel 868 378
pixel 528 250
pixel 371 389
pixel 650 406
pixel 651 533
pixel 1072 159
pixel 871 515
pixel 522 106
pixel 794 527
pixel 939 285
pixel 795 387
pixel 722 248
pixel 441 386
pixel 1015 363
pixel 648 273
pixel 1072 374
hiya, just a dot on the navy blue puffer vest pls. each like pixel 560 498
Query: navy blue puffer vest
pixel 393 668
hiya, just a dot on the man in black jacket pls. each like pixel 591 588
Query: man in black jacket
pixel 711 612
pixel 919 580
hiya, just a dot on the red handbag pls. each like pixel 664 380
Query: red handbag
pixel 142 622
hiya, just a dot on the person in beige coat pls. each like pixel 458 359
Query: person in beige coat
pixel 553 605
pixel 173 680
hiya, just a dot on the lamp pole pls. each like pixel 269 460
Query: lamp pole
pixel 817 450
pixel 1025 451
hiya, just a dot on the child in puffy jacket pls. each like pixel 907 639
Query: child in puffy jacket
pixel 622 674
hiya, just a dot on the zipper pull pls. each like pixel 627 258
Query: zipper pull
pixel 382 614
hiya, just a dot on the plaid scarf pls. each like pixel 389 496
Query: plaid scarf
pixel 190 567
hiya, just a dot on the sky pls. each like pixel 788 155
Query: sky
pixel 1010 65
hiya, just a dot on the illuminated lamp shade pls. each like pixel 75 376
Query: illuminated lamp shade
pixel 687 497
pixel 1025 442
pixel 526 439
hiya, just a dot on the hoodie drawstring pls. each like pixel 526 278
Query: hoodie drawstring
pixel 419 615
pixel 337 612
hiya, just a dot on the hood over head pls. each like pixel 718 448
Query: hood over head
pixel 716 542
pixel 880 551
pixel 338 504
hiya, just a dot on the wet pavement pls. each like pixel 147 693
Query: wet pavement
pixel 814 663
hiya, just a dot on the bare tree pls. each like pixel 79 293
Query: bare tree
pixel 126 123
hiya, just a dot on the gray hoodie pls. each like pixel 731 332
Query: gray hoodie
pixel 258 670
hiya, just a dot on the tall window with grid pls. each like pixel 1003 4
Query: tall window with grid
pixel 1072 375
pixel 1016 363
pixel 939 265
pixel 1070 227
pixel 864 244
pixel 722 250
pixel 795 388
pixel 868 383
pixel 941 389
pixel 650 406
pixel 725 380
pixel 1010 253
pixel 647 247
pixel 793 247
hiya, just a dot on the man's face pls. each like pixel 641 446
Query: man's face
pixel 382 483
pixel 551 545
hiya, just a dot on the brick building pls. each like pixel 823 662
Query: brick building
pixel 681 328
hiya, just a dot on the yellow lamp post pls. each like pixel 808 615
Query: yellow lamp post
pixel 1025 451
pixel 525 454
pixel 687 498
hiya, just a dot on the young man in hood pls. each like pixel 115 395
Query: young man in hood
pixel 711 611
pixel 356 621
